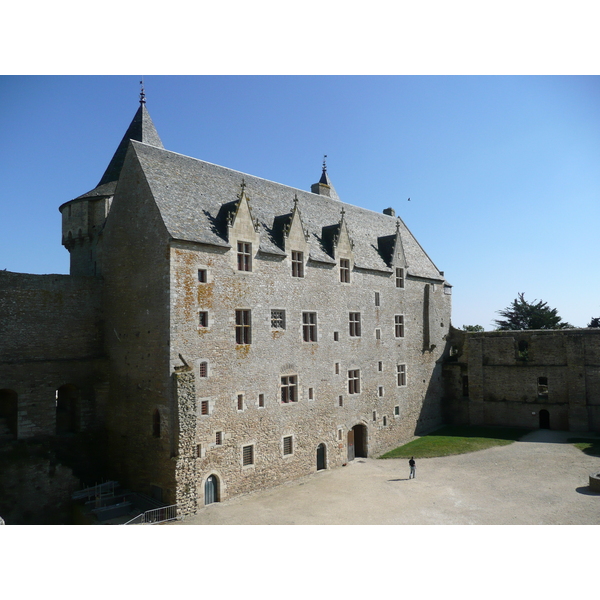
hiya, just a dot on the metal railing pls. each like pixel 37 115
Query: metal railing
pixel 155 516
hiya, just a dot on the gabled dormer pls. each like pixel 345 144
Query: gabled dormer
pixel 295 238
pixel 339 245
pixel 242 232
pixel 392 251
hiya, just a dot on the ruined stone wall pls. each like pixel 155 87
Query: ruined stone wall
pixel 51 339
pixel 321 367
pixel 505 370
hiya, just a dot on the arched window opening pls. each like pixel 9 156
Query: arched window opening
pixel 8 414
pixel 67 409
pixel 156 423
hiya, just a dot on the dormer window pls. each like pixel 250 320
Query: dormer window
pixel 297 264
pixel 244 256
pixel 344 270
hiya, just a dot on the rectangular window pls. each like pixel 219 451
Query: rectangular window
pixel 380 391
pixel 261 400
pixel 377 299
pixel 289 388
pixel 354 323
pixel 242 327
pixel 244 256
pixel 341 401
pixel 401 373
pixel 247 455
pixel 202 275
pixel 399 278
pixel 240 402
pixel 198 450
pixel 311 394
pixel 309 326
pixel 336 368
pixel 374 415
pixel 399 326
pixel 378 334
pixel 219 438
pixel 203 369
pixel 336 336
pixel 380 366
pixel 203 319
pixel 354 381
pixel 542 388
pixel 396 411
pixel 287 445
pixel 277 319
pixel 344 270
pixel 297 264
pixel 204 407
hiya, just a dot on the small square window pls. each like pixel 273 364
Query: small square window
pixel 202 275
pixel 247 455
pixel 277 319
pixel 219 438
pixel 204 407
pixel 287 445
pixel 202 319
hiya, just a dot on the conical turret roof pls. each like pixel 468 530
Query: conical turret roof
pixel 141 129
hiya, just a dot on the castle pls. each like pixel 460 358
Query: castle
pixel 220 333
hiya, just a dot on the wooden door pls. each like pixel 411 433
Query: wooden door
pixel 351 445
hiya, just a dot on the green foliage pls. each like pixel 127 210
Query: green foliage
pixel 530 315
pixel 590 446
pixel 595 322
pixel 473 328
pixel 454 439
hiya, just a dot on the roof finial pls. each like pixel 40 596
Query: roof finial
pixel 142 93
pixel 324 163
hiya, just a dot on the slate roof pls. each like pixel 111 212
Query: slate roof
pixel 190 195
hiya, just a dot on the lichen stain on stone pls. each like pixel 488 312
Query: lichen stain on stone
pixel 205 294
pixel 185 281
pixel 242 350
pixel 277 334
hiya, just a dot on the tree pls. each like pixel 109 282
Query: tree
pixel 595 322
pixel 473 328
pixel 530 315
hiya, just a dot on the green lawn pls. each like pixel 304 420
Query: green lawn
pixel 588 445
pixel 454 439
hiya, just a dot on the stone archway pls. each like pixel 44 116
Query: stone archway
pixel 211 490
pixel 544 419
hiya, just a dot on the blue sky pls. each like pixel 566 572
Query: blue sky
pixel 502 171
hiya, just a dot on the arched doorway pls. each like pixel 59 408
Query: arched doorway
pixel 211 490
pixel 67 408
pixel 544 419
pixel 321 457
pixel 8 413
pixel 357 442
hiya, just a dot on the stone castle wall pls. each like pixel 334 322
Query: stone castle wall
pixel 507 372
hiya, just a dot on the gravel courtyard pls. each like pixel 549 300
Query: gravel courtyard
pixel 540 480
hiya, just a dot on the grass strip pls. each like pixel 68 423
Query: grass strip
pixel 454 439
pixel 588 445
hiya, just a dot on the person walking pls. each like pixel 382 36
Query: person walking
pixel 412 466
